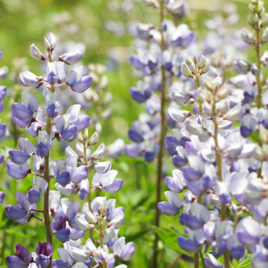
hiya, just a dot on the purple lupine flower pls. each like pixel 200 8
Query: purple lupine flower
pixel 17 171
pixel 123 250
pixel 72 177
pixel 44 251
pixel 2 197
pixel 22 211
pixel 23 258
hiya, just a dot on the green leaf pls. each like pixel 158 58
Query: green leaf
pixel 169 238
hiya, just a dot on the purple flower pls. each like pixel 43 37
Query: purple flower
pixel 18 157
pixel 3 91
pixel 187 244
pixel 3 128
pixel 2 197
pixel 21 116
pixel 22 260
pixel 17 171
pixel 22 211
pixel 124 251
pixel 44 251
pixel 29 79
pixel 71 57
pixel 172 206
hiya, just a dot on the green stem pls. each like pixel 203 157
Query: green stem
pixel 197 80
pixel 46 197
pixel 101 234
pixel 259 85
pixel 202 259
pixel 47 178
pixel 196 260
pixel 258 75
pixel 161 142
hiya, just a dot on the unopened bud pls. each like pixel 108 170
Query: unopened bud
pixel 223 92
pixel 264 38
pixel 36 53
pixel 248 37
pixel 263 132
pixel 234 114
pixel 99 153
pixel 94 139
pixel 253 21
pixel 191 65
pixel 186 71
pixel 50 41
pixel 203 61
pixel 80 137
pixel 241 66
pixel 85 135
pixel 264 20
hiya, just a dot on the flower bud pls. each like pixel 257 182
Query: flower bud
pixel 263 132
pixel 264 38
pixel 99 153
pixel 81 222
pixel 177 114
pixel 3 72
pixel 223 92
pixel 80 137
pixel 203 62
pixel 241 66
pixel 36 53
pixel 71 57
pixel 191 64
pixel 253 21
pixel 264 20
pixel 234 114
pixel 29 79
pixel 94 139
pixel 248 37
pixel 178 8
pixel 50 41
pixel 89 216
pixel 186 71
pixel 85 135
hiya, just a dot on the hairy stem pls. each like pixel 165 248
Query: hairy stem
pixel 101 235
pixel 46 196
pixel 196 260
pixel 161 142
pixel 197 80
pixel 259 85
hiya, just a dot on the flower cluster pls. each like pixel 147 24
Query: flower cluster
pixel 155 62
pixel 221 170
pixel 160 53
pixel 97 98
pixel 81 173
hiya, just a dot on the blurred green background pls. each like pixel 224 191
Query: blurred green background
pixel 26 21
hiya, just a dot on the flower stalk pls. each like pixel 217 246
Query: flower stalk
pixel 162 139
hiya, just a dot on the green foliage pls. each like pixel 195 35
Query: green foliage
pixel 24 22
